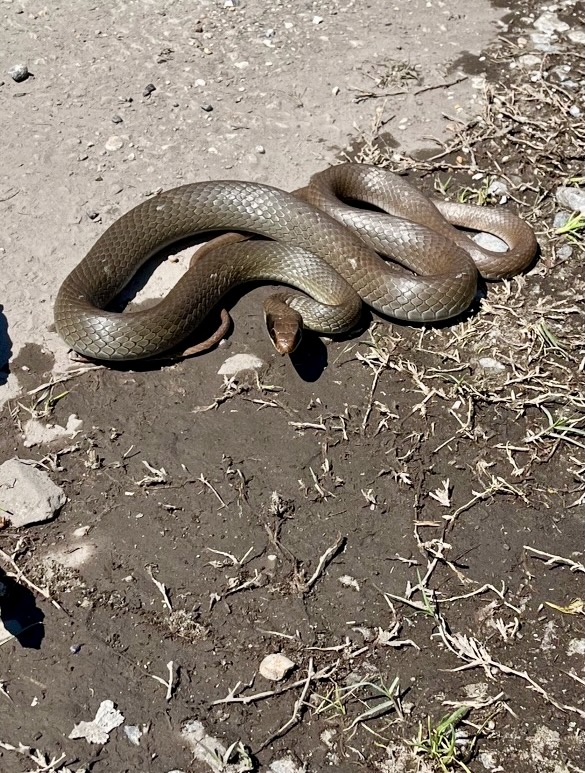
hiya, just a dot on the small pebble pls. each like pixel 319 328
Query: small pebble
pixel 530 60
pixel 490 365
pixel 549 23
pixel 93 215
pixel 577 36
pixel 490 242
pixel 275 667
pixel 117 119
pixel 207 108
pixel 148 89
pixel 498 188
pixel 317 19
pixel 19 72
pixel 75 648
pixel 240 362
pixel 561 219
pixel 114 143
pixel 541 42
pixel 133 733
pixel 260 149
pixel 571 198
pixel 564 252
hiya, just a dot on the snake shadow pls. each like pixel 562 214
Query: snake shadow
pixel 5 348
pixel 19 613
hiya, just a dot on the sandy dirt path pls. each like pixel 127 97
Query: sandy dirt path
pixel 249 90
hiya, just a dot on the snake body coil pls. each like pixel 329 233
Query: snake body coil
pixel 321 246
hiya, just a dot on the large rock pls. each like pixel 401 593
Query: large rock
pixel 27 495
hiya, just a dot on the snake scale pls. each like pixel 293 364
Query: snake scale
pixel 312 239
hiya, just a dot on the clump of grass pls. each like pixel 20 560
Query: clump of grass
pixel 439 743
pixel 574 227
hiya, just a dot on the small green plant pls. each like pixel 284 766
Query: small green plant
pixel 573 228
pixel 44 404
pixel 336 700
pixel 479 197
pixel 548 338
pixel 333 701
pixel 438 743
pixel 442 186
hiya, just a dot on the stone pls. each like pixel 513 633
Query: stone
pixel 240 362
pixel 114 143
pixel 490 242
pixel 19 72
pixel 490 365
pixel 530 60
pixel 549 23
pixel 28 495
pixel 560 219
pixel 577 36
pixel 98 730
pixel 571 198
pixel 36 433
pixel 275 667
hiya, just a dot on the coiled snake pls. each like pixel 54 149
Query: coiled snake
pixel 313 241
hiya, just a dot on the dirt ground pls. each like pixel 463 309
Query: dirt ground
pixel 398 512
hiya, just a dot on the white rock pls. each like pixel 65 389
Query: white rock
pixel 561 218
pixel 28 495
pixel 577 36
pixel 114 143
pixel 36 433
pixel 498 188
pixel 133 733
pixel 98 730
pixel 530 60
pixel 19 72
pixel 240 362
pixel 206 748
pixel 541 42
pixel 349 581
pixel 490 242
pixel 275 667
pixel 576 647
pixel 571 198
pixel 550 23
pixel 285 765
pixel 490 365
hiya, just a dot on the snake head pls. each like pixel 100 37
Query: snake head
pixel 285 325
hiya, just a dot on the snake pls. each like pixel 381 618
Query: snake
pixel 408 257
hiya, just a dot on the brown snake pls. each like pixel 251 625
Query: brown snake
pixel 433 275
